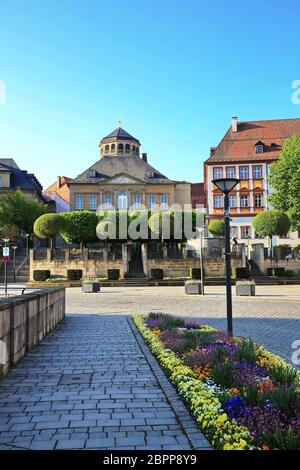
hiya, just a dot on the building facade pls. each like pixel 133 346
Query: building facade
pixel 60 193
pixel 122 178
pixel 13 178
pixel 246 152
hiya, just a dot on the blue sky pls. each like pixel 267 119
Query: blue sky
pixel 174 71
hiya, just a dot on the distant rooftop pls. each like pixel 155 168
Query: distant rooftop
pixel 119 134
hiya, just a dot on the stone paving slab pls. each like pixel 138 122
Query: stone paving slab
pixel 120 398
pixel 272 317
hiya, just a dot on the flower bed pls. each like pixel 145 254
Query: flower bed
pixel 242 396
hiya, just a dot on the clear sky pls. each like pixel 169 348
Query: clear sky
pixel 174 71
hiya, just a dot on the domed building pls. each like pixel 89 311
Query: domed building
pixel 122 178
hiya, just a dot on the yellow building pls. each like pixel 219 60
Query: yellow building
pixel 122 178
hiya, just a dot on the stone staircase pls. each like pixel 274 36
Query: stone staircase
pixel 22 269
pixel 258 276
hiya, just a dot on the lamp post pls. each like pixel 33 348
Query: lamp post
pixel 226 185
pixel 201 231
pixel 5 259
pixel 14 247
pixel 27 235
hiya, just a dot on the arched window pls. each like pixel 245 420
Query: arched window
pixel 112 148
pixel 127 148
pixel 137 150
pixel 106 148
pixel 133 149
pixel 120 148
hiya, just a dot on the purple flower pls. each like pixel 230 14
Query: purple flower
pixel 233 406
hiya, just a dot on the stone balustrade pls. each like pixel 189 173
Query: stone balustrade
pixel 25 321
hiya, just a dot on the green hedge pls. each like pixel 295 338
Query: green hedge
pixel 41 275
pixel 113 274
pixel 277 272
pixel 240 273
pixel 74 274
pixel 157 273
pixel 195 273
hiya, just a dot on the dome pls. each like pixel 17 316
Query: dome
pixel 119 134
pixel 119 143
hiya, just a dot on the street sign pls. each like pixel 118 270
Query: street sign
pixel 5 254
pixel 5 251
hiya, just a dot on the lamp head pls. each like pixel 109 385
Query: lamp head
pixel 226 184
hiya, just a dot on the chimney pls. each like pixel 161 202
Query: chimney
pixel 58 182
pixel 234 124
pixel 144 157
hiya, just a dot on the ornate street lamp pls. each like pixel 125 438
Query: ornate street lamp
pixel 226 185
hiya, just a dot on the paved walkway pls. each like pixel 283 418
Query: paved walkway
pixel 272 317
pixel 92 384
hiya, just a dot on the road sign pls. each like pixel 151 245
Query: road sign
pixel 6 259
pixel 5 251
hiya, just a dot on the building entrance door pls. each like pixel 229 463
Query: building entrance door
pixel 135 261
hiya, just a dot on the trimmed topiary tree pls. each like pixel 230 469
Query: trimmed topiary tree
pixel 49 226
pixel 217 227
pixel 270 223
pixel 80 227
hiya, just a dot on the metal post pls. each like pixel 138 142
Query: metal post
pixel 201 263
pixel 14 248
pixel 228 264
pixel 5 277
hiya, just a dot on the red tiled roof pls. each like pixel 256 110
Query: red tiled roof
pixel 240 145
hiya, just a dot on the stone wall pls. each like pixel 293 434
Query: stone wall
pixel 181 268
pixel 90 267
pixel 25 321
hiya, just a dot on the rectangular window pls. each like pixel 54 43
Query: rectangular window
pixel 245 232
pixel 1 181
pixel 257 200
pixel 244 172
pixel 93 202
pixel 233 232
pixel 164 201
pixel 257 172
pixel 259 148
pixel 231 201
pixel 230 172
pixel 244 201
pixel 151 201
pixel 79 202
pixel 218 173
pixel 107 200
pixel 137 201
pixel 217 202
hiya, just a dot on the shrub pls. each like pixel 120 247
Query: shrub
pixel 74 274
pixel 41 275
pixel 195 273
pixel 113 274
pixel 80 226
pixel 217 227
pixel 240 273
pixel 279 272
pixel 49 225
pixel 157 273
